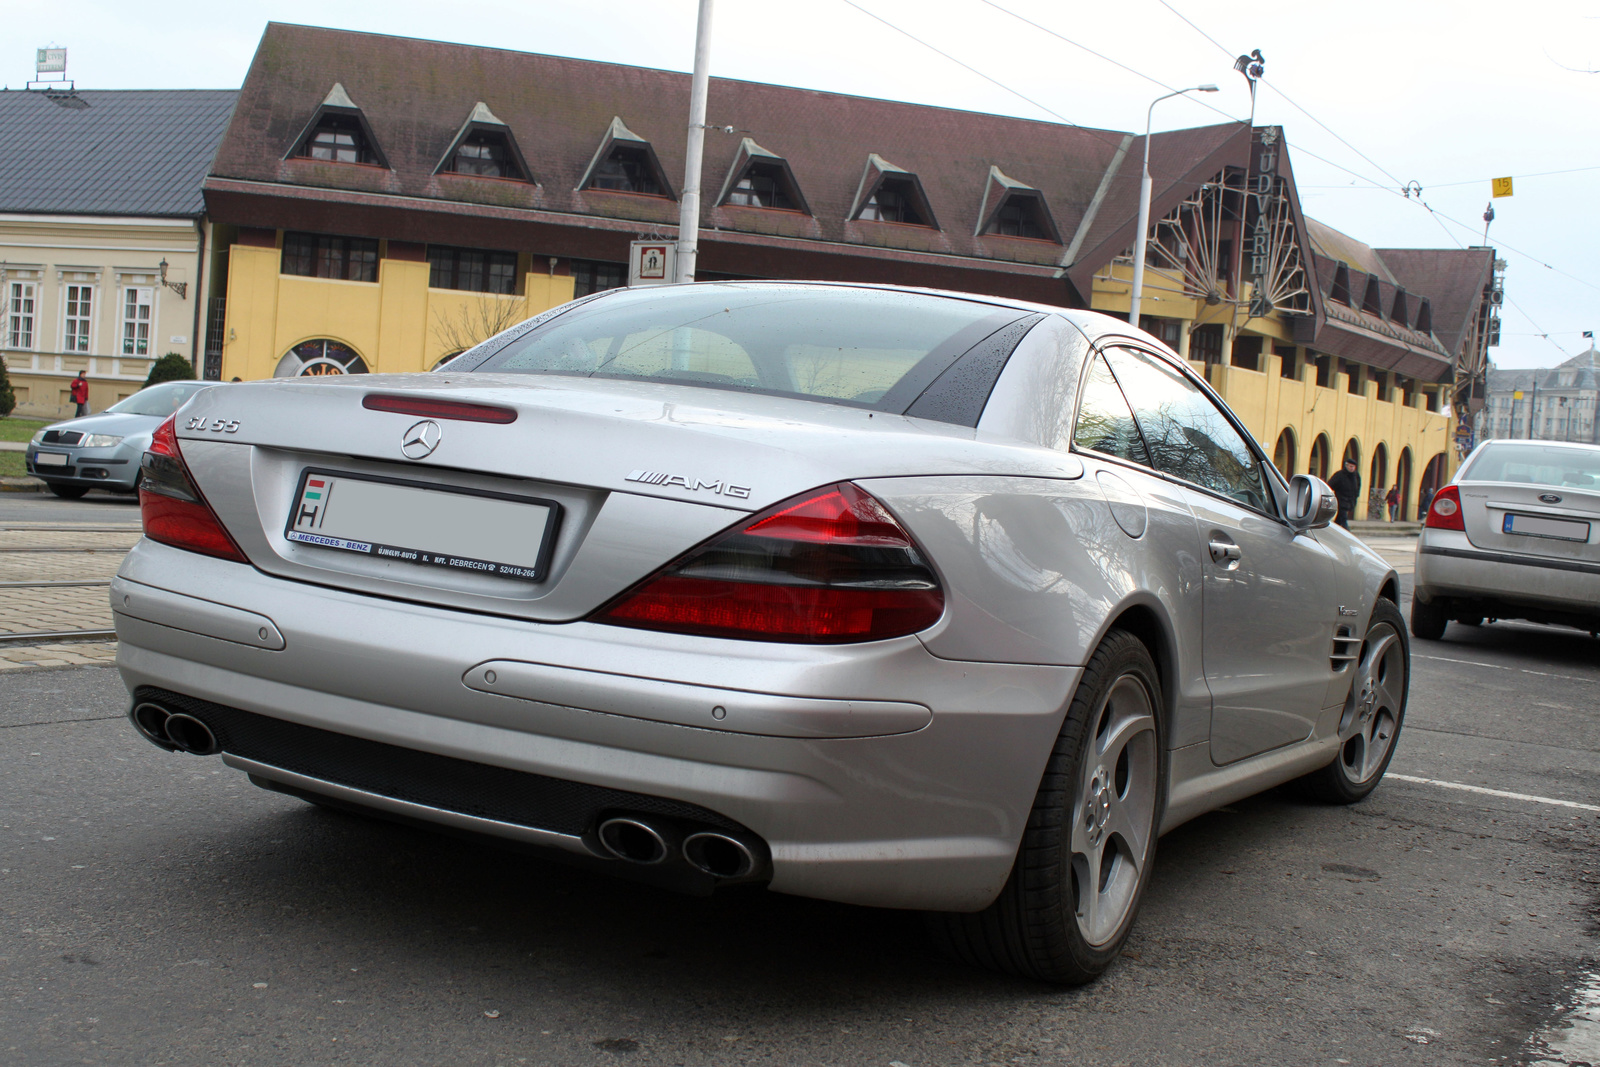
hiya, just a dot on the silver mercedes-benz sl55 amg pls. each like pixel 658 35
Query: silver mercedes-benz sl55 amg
pixel 885 596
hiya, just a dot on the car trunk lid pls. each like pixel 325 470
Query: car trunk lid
pixel 637 472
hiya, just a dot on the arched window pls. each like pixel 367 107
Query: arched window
pixel 1352 453
pixel 320 357
pixel 1283 453
pixel 1432 480
pixel 1317 462
pixel 1402 477
pixel 1378 482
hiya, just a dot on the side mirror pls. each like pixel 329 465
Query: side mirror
pixel 1312 504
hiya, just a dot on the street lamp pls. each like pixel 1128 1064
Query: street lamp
pixel 1143 238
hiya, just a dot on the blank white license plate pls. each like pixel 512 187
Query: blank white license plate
pixel 1539 526
pixel 462 530
pixel 49 459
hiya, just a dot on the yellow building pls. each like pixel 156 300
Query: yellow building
pixel 384 203
pixel 100 256
pixel 383 316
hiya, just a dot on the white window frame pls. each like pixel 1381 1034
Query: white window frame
pixel 17 337
pixel 127 336
pixel 67 318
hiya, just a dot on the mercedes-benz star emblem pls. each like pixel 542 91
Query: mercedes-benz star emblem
pixel 420 441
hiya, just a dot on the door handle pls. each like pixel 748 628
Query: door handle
pixel 1223 553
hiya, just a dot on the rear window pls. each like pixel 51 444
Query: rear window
pixel 1535 464
pixel 160 400
pixel 861 347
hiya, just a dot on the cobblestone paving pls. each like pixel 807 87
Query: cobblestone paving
pixel 100 540
pixel 61 608
pixel 78 654
pixel 58 566
pixel 54 610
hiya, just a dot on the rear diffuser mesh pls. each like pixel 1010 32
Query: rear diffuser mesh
pixel 444 782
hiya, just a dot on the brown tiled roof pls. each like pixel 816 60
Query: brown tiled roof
pixel 1451 278
pixel 416 94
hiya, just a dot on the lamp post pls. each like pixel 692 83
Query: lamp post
pixel 689 208
pixel 1143 238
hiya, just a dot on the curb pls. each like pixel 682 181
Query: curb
pixel 21 485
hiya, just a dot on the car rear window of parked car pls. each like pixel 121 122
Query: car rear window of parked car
pixel 160 400
pixel 1535 464
pixel 860 347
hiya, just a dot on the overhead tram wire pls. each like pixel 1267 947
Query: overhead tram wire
pixel 1439 216
pixel 1090 131
pixel 1114 62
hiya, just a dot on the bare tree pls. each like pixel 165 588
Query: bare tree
pixel 477 321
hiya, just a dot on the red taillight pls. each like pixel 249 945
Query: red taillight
pixel 826 568
pixel 171 508
pixel 429 408
pixel 1444 512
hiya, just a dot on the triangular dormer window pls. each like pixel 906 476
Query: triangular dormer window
pixel 626 163
pixel 759 178
pixel 1372 302
pixel 1341 285
pixel 891 194
pixel 338 133
pixel 1401 309
pixel 1424 316
pixel 484 147
pixel 1012 209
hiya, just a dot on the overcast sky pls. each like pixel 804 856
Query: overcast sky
pixel 1447 95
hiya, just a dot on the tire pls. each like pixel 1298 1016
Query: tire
pixel 1427 621
pixel 67 492
pixel 1374 712
pixel 1090 824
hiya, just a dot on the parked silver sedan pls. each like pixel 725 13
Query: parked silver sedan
pixel 893 597
pixel 1515 536
pixel 103 451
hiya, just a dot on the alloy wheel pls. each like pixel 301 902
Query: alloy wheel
pixel 1372 716
pixel 1113 816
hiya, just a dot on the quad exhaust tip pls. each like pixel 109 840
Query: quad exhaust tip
pixel 719 855
pixel 633 840
pixel 174 731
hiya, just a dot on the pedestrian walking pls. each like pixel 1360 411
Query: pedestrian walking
pixel 1346 485
pixel 80 394
pixel 1393 500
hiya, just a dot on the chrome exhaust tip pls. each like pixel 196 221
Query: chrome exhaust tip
pixel 719 855
pixel 632 840
pixel 151 721
pixel 191 735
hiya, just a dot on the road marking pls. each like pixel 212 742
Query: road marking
pixel 1503 667
pixel 1494 792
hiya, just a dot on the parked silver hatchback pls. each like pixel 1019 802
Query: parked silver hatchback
pixel 885 596
pixel 1516 535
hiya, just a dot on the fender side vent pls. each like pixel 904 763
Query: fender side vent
pixel 1346 648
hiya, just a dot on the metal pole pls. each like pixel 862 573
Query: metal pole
pixel 689 209
pixel 1142 239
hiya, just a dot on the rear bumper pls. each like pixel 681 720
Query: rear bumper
pixel 1450 568
pixel 926 813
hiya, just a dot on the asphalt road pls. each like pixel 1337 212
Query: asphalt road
pixel 158 909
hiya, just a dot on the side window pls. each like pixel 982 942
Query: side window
pixel 1105 422
pixel 1187 434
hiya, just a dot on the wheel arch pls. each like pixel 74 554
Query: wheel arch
pixel 1153 628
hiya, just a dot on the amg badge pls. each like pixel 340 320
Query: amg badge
pixel 694 485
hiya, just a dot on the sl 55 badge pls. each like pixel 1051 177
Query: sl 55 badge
pixel 200 422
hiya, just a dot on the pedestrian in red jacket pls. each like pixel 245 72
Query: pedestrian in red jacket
pixel 80 395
